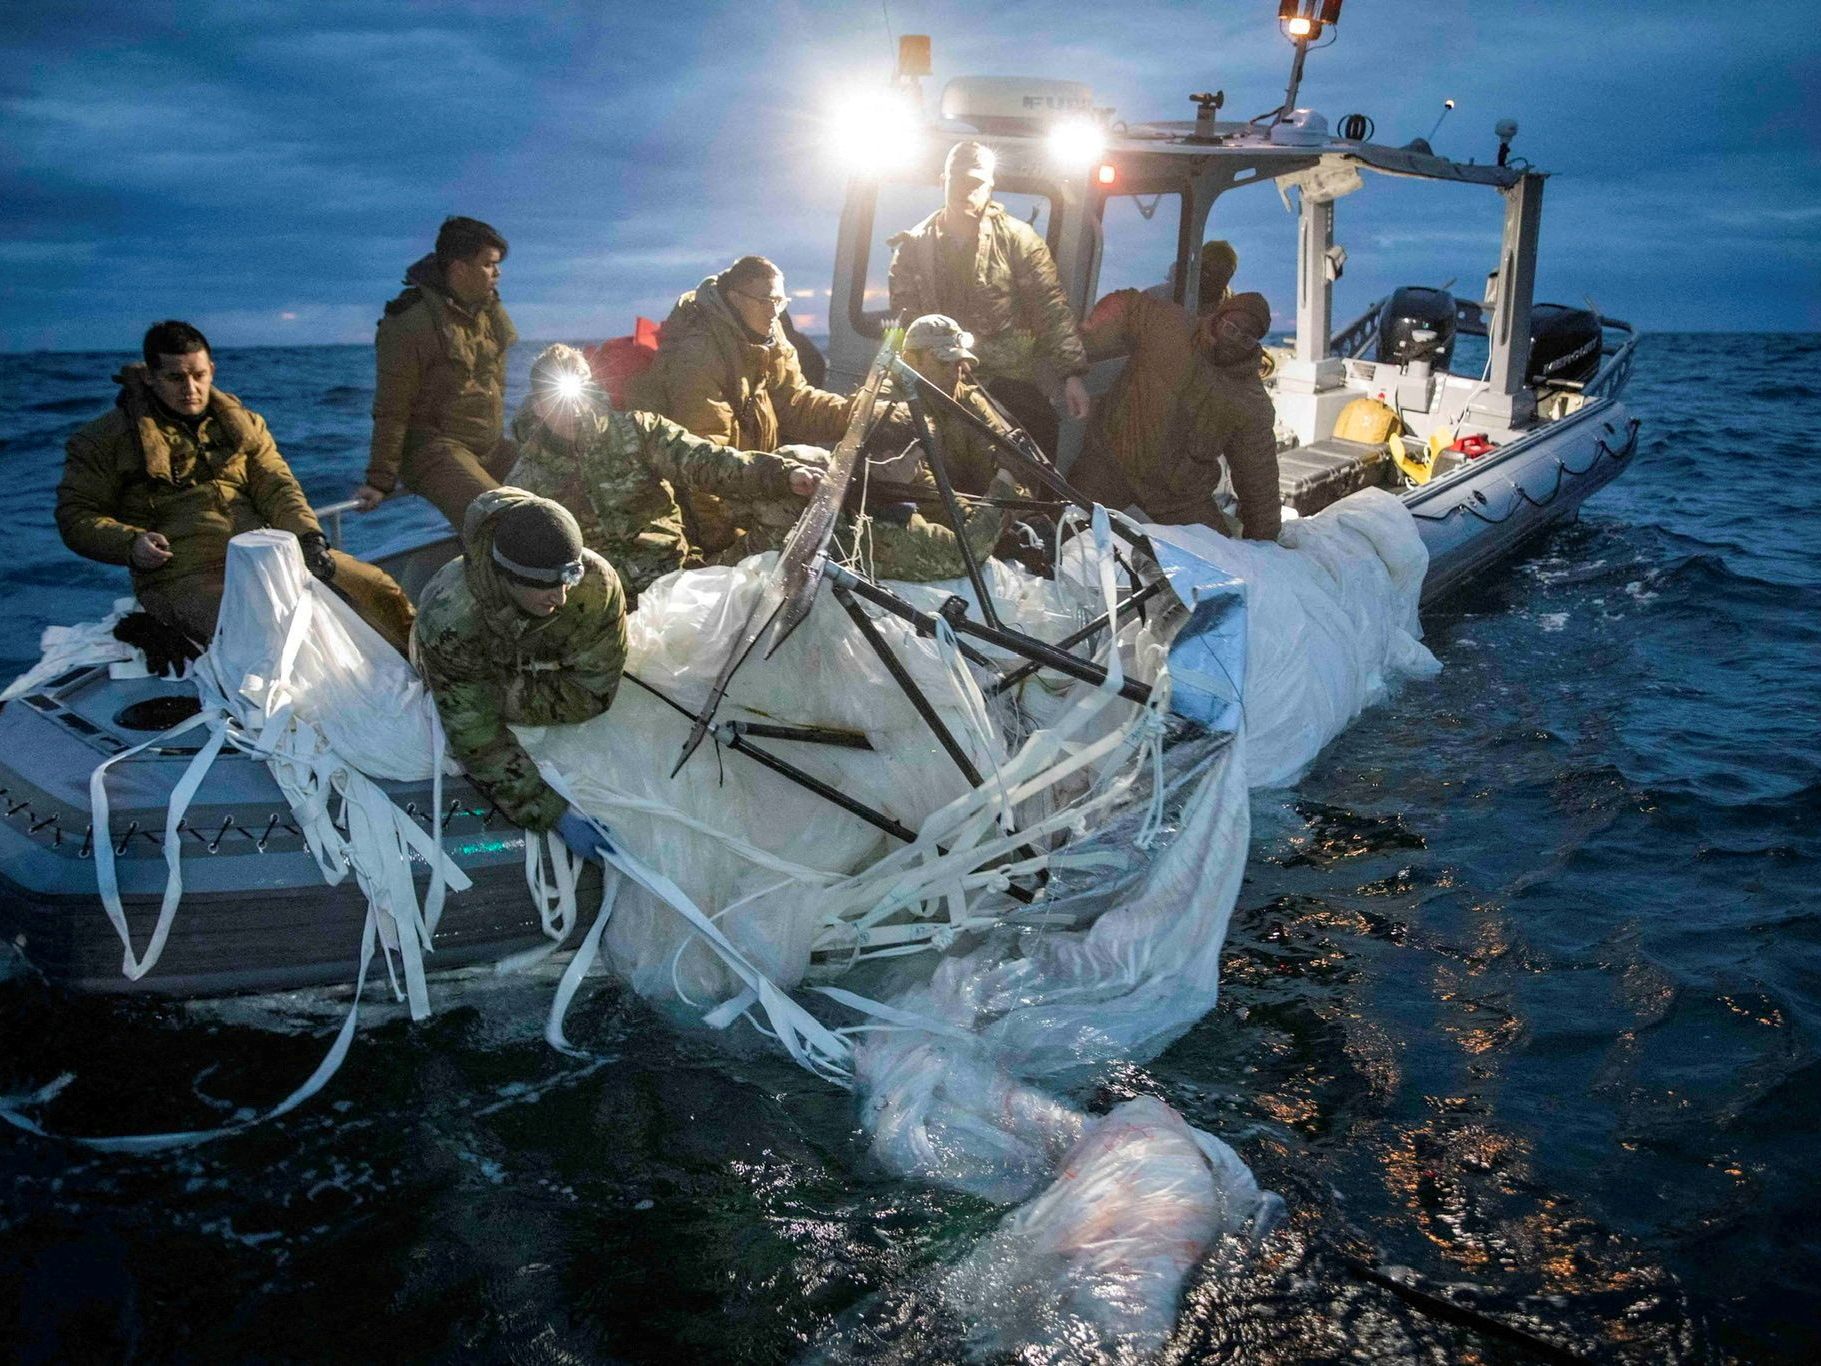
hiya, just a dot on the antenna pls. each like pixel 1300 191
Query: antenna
pixel 1447 109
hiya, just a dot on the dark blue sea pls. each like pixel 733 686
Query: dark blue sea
pixel 1523 995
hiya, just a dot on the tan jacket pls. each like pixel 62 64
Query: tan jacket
pixel 712 377
pixel 441 373
pixel 139 469
pixel 1172 417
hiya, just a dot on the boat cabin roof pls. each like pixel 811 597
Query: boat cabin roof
pixel 1156 156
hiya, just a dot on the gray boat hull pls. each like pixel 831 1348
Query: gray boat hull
pixel 256 914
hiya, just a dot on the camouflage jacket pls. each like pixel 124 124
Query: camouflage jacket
pixel 441 373
pixel 140 469
pixel 972 460
pixel 620 476
pixel 1011 299
pixel 713 377
pixel 1172 417
pixel 917 551
pixel 488 664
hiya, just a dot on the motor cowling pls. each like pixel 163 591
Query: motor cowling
pixel 1564 344
pixel 1417 323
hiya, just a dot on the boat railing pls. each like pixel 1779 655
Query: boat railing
pixel 1356 336
pixel 330 514
pixel 1616 360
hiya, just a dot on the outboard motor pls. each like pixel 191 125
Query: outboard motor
pixel 1565 344
pixel 1417 324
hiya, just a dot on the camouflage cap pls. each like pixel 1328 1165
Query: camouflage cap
pixel 941 335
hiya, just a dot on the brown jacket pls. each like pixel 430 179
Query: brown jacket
pixel 1011 299
pixel 140 469
pixel 441 373
pixel 1160 434
pixel 716 379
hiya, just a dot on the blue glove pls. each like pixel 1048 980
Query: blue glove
pixel 585 837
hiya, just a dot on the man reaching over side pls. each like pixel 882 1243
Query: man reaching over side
pixel 527 627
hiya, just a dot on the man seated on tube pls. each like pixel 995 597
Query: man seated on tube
pixel 621 474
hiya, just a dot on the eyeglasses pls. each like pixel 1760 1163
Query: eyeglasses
pixel 777 301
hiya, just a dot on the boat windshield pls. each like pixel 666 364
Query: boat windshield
pixel 1140 234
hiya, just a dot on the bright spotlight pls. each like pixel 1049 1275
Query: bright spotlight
pixel 1076 142
pixel 569 386
pixel 874 132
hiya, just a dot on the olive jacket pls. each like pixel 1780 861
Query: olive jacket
pixel 490 665
pixel 1006 292
pixel 721 382
pixel 140 468
pixel 441 373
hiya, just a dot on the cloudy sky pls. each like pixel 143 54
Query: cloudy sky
pixel 268 169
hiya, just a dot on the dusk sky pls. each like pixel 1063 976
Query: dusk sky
pixel 267 170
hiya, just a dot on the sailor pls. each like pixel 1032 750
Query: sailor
pixel 439 402
pixel 177 469
pixel 526 628
pixel 726 371
pixel 940 349
pixel 621 473
pixel 894 539
pixel 1189 398
pixel 975 263
pixel 1214 282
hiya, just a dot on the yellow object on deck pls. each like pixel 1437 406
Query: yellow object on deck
pixel 1417 467
pixel 1368 420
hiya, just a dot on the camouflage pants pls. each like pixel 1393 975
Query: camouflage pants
pixel 193 602
pixel 450 475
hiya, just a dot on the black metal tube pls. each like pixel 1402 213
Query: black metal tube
pixel 1022 461
pixel 924 622
pixel 1074 638
pixel 938 464
pixel 901 676
pixel 1048 656
pixel 784 769
pixel 809 735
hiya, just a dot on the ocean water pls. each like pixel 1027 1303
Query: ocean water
pixel 1522 1000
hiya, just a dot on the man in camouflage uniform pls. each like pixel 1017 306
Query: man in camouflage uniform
pixel 439 402
pixel 621 472
pixel 179 468
pixel 526 628
pixel 1190 398
pixel 891 541
pixel 938 348
pixel 973 262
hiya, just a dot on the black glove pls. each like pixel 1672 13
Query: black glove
pixel 167 650
pixel 898 514
pixel 316 556
pixel 1029 546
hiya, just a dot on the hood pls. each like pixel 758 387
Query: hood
pixel 146 415
pixel 706 306
pixel 489 595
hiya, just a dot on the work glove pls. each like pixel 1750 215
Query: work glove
pixel 586 837
pixel 1028 546
pixel 167 650
pixel 316 556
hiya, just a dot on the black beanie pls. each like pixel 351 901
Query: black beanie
pixel 1250 310
pixel 535 541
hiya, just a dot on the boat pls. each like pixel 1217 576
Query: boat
pixel 1503 453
